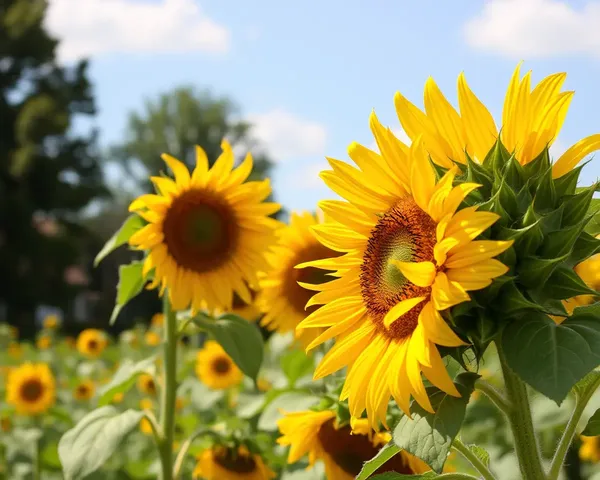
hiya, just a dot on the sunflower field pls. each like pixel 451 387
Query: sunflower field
pixel 438 318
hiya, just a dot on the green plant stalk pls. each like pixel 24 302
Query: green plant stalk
pixel 186 446
pixel 521 423
pixel 494 395
pixel 581 401
pixel 167 410
pixel 473 459
pixel 37 461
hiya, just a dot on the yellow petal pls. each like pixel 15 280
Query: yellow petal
pixel 436 329
pixel 199 175
pixel 374 166
pixel 575 154
pixel 422 176
pixel 478 275
pixel 400 309
pixel 510 101
pixel 476 251
pixel 421 274
pixel 165 186
pixel 438 375
pixel 413 371
pixel 446 294
pixel 180 171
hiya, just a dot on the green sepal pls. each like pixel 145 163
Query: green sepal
pixel 534 271
pixel 508 200
pixel 494 205
pixel 524 199
pixel 593 227
pixel 477 174
pixel 514 175
pixel 577 206
pixel 565 283
pixel 540 164
pixel 342 413
pixel 496 158
pixel 561 242
pixel 544 197
pixel 527 239
pixel 438 170
pixel 567 184
pixel 486 328
pixel 514 303
pixel 585 246
pixel 552 221
pixel 550 306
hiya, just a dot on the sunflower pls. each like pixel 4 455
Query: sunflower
pixel 207 233
pixel 343 449
pixel 117 397
pixel 409 253
pixel 590 449
pixel 31 388
pixel 286 289
pixel 531 121
pixel 222 463
pixel 215 368
pixel 248 311
pixel 152 338
pixel 44 342
pixel 146 404
pixel 91 342
pixel 158 320
pixel 51 322
pixel 146 384
pixel 84 390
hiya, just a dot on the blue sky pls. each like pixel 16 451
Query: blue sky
pixel 309 73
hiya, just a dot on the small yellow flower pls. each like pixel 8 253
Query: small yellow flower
pixel 31 388
pixel 118 397
pixel 215 368
pixel 146 404
pixel 84 391
pixel 146 384
pixel 51 321
pixel 590 449
pixel 44 342
pixel 152 338
pixel 158 319
pixel 263 385
pixel 145 426
pixel 179 403
pixel 91 342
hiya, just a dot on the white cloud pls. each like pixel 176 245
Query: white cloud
pixel 535 28
pixel 308 177
pixel 92 27
pixel 400 135
pixel 286 136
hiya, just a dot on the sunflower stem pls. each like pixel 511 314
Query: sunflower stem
pixel 521 423
pixel 581 401
pixel 460 447
pixel 167 411
pixel 494 395
pixel 186 446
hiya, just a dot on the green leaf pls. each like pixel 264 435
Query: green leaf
pixel 586 387
pixel 567 184
pixel 527 239
pixel 286 402
pixel 534 272
pixel 545 194
pixel 130 226
pixel 296 365
pixel 125 377
pixel 592 429
pixel 371 466
pixel 131 282
pixel 239 338
pixel 88 445
pixel 552 358
pixel 576 207
pixel 560 242
pixel 429 436
pixel 513 302
pixel 401 476
pixel 565 283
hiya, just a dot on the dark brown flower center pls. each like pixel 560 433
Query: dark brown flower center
pixel 404 233
pixel 239 303
pixel 235 461
pixel 221 365
pixel 82 390
pixel 31 390
pixel 200 230
pixel 299 296
pixel 350 451
pixel 150 386
pixel 93 345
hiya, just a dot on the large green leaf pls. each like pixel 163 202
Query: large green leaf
pixel 553 358
pixel 125 377
pixel 286 402
pixel 88 445
pixel 370 467
pixel 131 282
pixel 429 436
pixel 239 338
pixel 121 236
pixel 592 429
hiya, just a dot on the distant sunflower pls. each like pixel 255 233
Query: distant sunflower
pixel 409 253
pixel 158 320
pixel 343 449
pixel 117 397
pixel 216 369
pixel 221 463
pixel 84 390
pixel 31 388
pixel 152 338
pixel 207 233
pixel 590 449
pixel 287 288
pixel 51 322
pixel 531 121
pixel 43 342
pixel 145 426
pixel 146 384
pixel 91 342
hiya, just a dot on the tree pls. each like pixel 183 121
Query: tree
pixel 48 174
pixel 175 123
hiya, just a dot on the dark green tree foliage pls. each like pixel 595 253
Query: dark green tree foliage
pixel 47 172
pixel 175 123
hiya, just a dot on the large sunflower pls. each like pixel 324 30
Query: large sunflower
pixel 222 463
pixel 31 388
pixel 343 449
pixel 286 289
pixel 531 121
pixel 91 342
pixel 215 368
pixel 207 232
pixel 408 254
